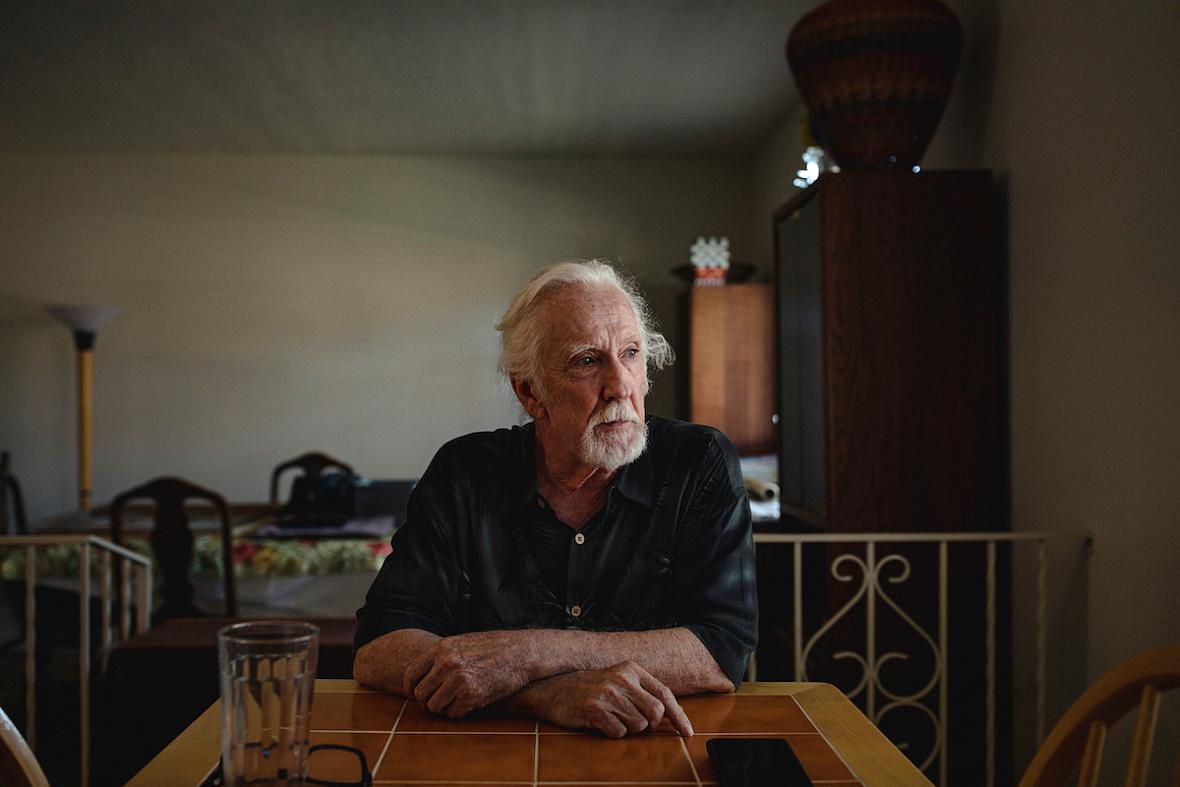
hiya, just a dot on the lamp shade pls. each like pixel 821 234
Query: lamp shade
pixel 84 317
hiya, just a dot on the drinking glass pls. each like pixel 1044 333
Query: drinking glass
pixel 267 680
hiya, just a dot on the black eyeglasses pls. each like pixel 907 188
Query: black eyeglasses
pixel 363 777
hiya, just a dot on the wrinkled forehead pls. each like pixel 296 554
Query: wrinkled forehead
pixel 579 315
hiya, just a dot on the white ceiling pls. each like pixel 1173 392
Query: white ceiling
pixel 519 77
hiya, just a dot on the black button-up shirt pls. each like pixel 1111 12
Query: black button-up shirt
pixel 481 548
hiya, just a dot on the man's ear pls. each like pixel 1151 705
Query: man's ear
pixel 529 397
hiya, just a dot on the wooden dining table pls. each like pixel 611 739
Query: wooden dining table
pixel 406 744
pixel 244 517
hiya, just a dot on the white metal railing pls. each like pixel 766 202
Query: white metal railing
pixel 868 591
pixel 113 629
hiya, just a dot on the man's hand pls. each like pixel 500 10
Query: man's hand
pixel 616 700
pixel 459 674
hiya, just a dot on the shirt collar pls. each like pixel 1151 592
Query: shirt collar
pixel 520 481
pixel 635 481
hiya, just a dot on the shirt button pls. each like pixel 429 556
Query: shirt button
pixel 576 611
pixel 579 539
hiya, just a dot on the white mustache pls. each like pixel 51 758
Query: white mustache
pixel 615 411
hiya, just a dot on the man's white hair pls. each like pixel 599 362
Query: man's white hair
pixel 522 336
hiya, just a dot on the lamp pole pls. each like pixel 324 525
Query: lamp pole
pixel 85 322
pixel 84 344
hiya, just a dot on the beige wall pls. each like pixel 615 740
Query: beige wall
pixel 774 175
pixel 1074 105
pixel 1083 131
pixel 277 304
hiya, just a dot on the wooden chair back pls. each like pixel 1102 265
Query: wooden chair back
pixel 1076 742
pixel 172 542
pixel 313 464
pixel 10 493
pixel 18 766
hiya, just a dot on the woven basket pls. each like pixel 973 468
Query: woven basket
pixel 876 76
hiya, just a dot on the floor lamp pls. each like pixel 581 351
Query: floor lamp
pixel 84 321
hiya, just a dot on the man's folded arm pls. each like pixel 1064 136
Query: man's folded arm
pixel 382 662
pixel 469 671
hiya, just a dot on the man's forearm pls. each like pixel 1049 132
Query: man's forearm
pixel 382 662
pixel 674 656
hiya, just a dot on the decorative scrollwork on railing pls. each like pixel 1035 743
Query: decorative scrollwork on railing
pixel 840 613
pixel 872 579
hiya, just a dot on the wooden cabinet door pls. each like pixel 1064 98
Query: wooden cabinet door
pixel 731 363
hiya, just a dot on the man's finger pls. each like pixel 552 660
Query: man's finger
pixel 610 725
pixel 428 685
pixel 461 702
pixel 632 716
pixel 441 699
pixel 672 710
pixel 648 704
pixel 415 672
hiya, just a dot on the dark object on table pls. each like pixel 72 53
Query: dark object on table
pixel 737 273
pixel 754 762
pixel 319 501
pixel 10 490
pixel 158 682
pixel 172 542
pixel 313 464
pixel 876 76
pixel 382 498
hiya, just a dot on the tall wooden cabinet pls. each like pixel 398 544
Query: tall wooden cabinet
pixel 891 380
pixel 891 371
pixel 731 363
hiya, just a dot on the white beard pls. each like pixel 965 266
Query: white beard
pixel 611 453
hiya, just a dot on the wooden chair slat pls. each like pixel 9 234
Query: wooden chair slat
pixel 1149 709
pixel 1070 744
pixel 18 766
pixel 172 541
pixel 10 496
pixel 312 463
pixel 1092 756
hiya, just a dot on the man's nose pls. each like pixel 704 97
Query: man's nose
pixel 616 385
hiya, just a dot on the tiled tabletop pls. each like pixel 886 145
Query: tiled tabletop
pixel 406 744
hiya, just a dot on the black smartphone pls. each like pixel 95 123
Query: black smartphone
pixel 755 762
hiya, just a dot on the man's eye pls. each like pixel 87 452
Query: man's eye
pixel 632 352
pixel 585 360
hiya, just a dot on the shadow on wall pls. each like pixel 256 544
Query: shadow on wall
pixel 669 391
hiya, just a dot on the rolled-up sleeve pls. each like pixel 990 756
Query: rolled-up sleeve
pixel 716 589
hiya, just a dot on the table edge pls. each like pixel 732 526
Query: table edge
pixel 863 748
pixel 871 757
pixel 190 757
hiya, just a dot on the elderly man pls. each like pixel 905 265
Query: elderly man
pixel 585 568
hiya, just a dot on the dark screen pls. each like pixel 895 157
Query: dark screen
pixel 802 478
pixel 755 762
